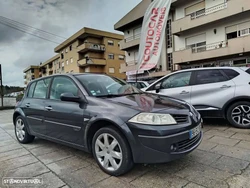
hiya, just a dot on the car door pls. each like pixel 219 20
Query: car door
pixel 64 120
pixel 176 85
pixel 33 105
pixel 211 89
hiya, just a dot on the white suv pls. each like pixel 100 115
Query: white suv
pixel 214 92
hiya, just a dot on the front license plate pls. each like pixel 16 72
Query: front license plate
pixel 194 132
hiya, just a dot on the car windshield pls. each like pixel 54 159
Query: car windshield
pixel 106 86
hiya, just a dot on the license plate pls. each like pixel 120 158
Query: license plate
pixel 194 132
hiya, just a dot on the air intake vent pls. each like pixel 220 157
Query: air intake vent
pixel 180 118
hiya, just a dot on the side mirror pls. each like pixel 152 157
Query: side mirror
pixel 69 97
pixel 157 87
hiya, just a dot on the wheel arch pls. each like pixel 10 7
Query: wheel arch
pixel 234 100
pixel 96 125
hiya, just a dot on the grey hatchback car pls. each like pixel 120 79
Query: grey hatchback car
pixel 218 92
pixel 116 122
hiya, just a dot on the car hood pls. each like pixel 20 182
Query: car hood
pixel 147 102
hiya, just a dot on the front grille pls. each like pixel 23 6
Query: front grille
pixel 187 144
pixel 180 118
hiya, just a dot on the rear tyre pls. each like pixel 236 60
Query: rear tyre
pixel 21 132
pixel 238 114
pixel 111 151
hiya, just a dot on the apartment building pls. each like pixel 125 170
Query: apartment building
pixel 31 73
pixel 131 25
pixel 200 33
pixel 211 33
pixel 91 50
pixel 88 50
pixel 50 67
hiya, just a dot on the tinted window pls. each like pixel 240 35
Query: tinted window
pixel 176 80
pixel 31 89
pixel 209 76
pixel 248 71
pixel 41 88
pixel 62 85
pixel 230 73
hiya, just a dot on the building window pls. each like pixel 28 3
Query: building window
pixel 170 61
pixel 111 56
pixel 111 70
pixel 62 69
pixel 62 55
pixel 67 62
pixel 232 35
pixel 62 64
pixel 66 50
pixel 71 60
pixel 110 43
pixel 70 48
pixel 121 57
pixel 169 35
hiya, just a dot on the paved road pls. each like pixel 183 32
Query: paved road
pixel 222 160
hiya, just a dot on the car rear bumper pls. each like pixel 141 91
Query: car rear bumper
pixel 164 148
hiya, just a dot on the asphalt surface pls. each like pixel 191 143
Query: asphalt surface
pixel 222 160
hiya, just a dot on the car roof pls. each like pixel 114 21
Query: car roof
pixel 66 74
pixel 206 68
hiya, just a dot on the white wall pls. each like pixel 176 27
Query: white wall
pixel 211 37
pixel 132 56
pixel 131 32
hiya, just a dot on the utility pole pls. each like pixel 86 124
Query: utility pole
pixel 1 85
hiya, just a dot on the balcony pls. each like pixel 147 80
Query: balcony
pixel 216 13
pixel 91 61
pixel 130 42
pixel 91 47
pixel 209 51
pixel 127 67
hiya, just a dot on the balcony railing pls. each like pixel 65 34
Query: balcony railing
pixel 91 46
pixel 207 47
pixel 210 10
pixel 130 63
pixel 128 39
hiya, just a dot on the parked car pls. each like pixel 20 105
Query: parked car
pixel 139 84
pixel 220 92
pixel 120 127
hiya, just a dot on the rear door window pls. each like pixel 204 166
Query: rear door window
pixel 31 90
pixel 41 88
pixel 248 71
pixel 209 76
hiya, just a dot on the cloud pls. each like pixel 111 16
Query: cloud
pixel 64 18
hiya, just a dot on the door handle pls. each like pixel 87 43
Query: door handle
pixel 48 108
pixel 27 105
pixel 184 92
pixel 225 86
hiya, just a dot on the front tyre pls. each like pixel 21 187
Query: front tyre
pixel 111 151
pixel 21 132
pixel 238 114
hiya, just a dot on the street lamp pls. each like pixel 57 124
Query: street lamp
pixel 1 85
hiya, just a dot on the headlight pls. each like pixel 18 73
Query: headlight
pixel 153 119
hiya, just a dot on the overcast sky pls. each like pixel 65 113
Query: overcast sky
pixel 62 17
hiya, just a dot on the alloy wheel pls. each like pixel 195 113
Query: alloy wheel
pixel 20 129
pixel 108 152
pixel 241 115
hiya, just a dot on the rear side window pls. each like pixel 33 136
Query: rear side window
pixel 209 76
pixel 41 88
pixel 248 71
pixel 230 73
pixel 31 89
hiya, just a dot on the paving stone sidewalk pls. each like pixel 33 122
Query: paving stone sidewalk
pixel 222 160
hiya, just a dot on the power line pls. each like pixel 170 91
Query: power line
pixel 22 30
pixel 25 25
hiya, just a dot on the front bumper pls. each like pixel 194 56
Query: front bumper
pixel 155 144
